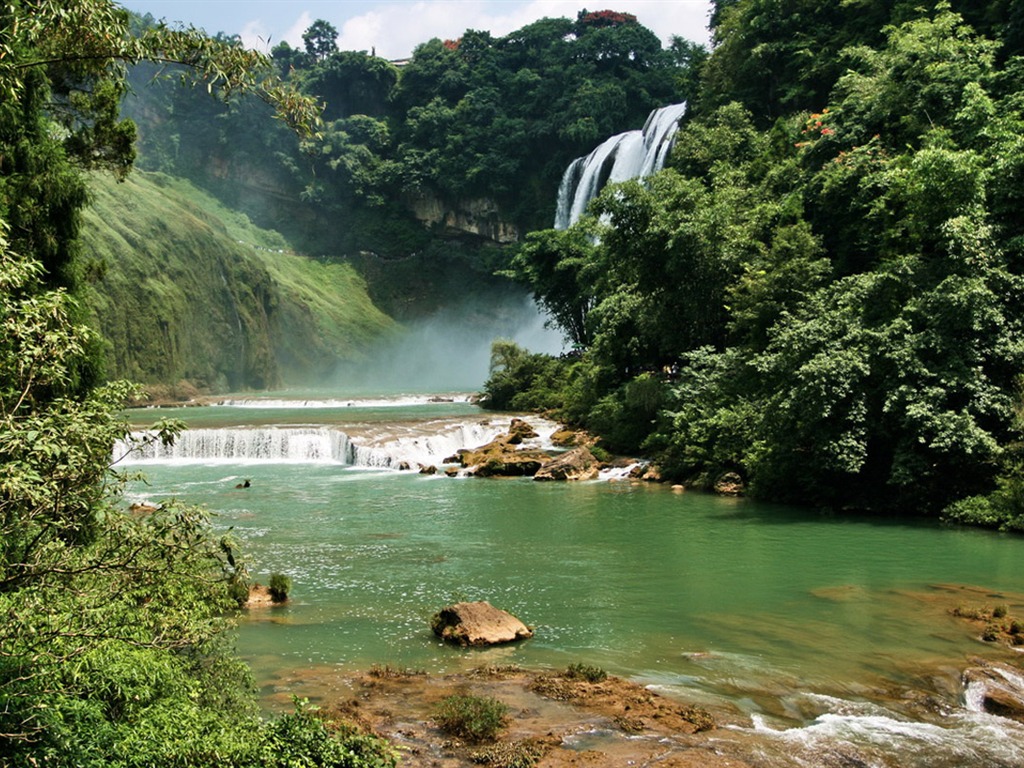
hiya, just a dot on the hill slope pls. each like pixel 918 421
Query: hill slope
pixel 188 291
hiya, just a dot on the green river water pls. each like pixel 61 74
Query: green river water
pixel 815 630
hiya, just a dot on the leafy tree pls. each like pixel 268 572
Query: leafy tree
pixel 351 83
pixel 320 39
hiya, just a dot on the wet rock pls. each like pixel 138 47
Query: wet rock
pixel 428 469
pixel 502 458
pixel 404 466
pixel 997 689
pixel 520 430
pixel 577 464
pixel 647 472
pixel 565 438
pixel 729 484
pixel 478 623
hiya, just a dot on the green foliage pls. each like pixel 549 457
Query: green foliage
pixel 587 672
pixel 115 648
pixel 473 718
pixel 280 586
pixel 829 305
pixel 306 738
pixel 520 380
pixel 186 284
pixel 483 117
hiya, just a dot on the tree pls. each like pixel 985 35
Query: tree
pixel 321 39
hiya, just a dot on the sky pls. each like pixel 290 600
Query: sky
pixel 392 28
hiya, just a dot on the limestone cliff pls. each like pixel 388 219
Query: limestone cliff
pixel 478 216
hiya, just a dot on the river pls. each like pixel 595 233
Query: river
pixel 819 631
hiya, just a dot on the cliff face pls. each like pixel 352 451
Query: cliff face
pixel 480 217
pixel 184 289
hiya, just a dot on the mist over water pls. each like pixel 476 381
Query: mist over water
pixel 450 351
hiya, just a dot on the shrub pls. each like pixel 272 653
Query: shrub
pixel 999 611
pixel 473 718
pixel 305 737
pixel 280 586
pixel 585 672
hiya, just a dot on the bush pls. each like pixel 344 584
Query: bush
pixel 473 718
pixel 585 672
pixel 280 586
pixel 306 738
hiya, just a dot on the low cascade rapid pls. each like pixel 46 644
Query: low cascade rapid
pixel 307 445
pixel 428 444
pixel 629 155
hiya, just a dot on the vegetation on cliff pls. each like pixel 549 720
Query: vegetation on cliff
pixel 823 290
pixel 184 289
pixel 478 117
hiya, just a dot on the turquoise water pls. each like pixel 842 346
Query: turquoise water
pixel 729 602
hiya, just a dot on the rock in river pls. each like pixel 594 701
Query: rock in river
pixel 478 623
pixel 577 464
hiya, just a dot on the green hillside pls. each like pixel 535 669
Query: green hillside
pixel 187 291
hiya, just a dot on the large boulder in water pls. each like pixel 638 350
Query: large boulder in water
pixel 502 457
pixel 478 623
pixel 577 464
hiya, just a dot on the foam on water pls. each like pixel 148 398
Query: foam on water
pixel 869 734
pixel 397 401
pixel 429 443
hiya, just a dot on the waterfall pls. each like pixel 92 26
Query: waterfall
pixel 306 445
pixel 630 155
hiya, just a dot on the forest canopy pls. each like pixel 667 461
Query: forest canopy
pixel 822 291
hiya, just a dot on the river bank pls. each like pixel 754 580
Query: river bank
pixel 943 710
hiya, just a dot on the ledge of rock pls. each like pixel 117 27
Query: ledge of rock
pixel 577 464
pixel 997 688
pixel 478 623
pixel 502 458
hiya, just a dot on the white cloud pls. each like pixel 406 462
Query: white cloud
pixel 256 35
pixel 293 35
pixel 363 33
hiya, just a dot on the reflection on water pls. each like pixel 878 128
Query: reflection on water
pixel 824 635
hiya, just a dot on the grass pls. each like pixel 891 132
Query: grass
pixel 473 718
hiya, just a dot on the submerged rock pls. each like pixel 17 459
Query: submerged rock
pixel 478 623
pixel 577 464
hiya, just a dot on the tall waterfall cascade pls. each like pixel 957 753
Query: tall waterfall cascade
pixel 629 155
